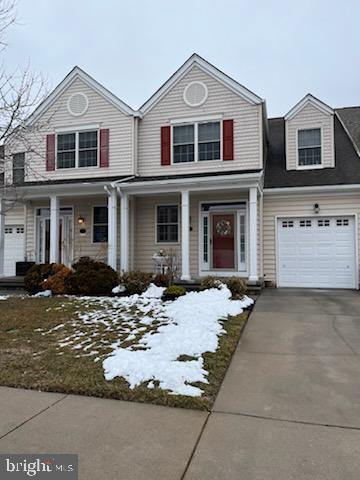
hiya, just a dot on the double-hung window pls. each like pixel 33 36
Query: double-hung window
pixel 197 141
pixel 18 168
pixel 100 224
pixel 77 149
pixel 167 224
pixel 309 147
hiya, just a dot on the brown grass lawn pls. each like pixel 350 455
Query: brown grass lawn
pixel 34 354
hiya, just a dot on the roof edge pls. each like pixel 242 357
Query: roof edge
pixel 207 67
pixel 309 98
pixel 75 73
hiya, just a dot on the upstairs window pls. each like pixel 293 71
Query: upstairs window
pixel 184 143
pixel 78 149
pixel 18 168
pixel 195 142
pixel 309 147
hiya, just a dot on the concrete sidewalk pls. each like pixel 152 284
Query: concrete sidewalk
pixel 289 408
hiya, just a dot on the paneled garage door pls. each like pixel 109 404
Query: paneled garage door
pixel 316 252
pixel 14 248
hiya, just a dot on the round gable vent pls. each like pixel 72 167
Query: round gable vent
pixel 78 104
pixel 195 94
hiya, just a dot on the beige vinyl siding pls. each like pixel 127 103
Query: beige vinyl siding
pixel 145 231
pixel 295 205
pixel 145 227
pixel 100 112
pixel 14 214
pixel 310 117
pixel 83 245
pixel 221 101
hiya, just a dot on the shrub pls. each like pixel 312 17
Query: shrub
pixel 237 287
pixel 162 280
pixel 56 282
pixel 35 277
pixel 173 292
pixel 136 282
pixel 91 278
pixel 210 282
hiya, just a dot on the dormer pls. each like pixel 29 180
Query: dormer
pixel 309 135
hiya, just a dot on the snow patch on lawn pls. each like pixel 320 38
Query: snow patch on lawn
pixel 193 328
pixel 4 297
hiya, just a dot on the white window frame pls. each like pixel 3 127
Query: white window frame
pixel 196 121
pixel 168 204
pixel 93 224
pixel 309 167
pixel 77 131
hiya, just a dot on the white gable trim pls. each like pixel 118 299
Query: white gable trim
pixel 196 60
pixel 77 73
pixel 309 100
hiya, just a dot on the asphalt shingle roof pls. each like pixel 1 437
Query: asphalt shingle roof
pixel 347 161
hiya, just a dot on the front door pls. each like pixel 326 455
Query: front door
pixel 65 238
pixel 223 240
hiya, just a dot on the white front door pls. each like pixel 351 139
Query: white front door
pixel 316 252
pixel 14 248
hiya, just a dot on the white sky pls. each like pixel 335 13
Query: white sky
pixel 278 49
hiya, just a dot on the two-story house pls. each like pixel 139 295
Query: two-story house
pixel 198 172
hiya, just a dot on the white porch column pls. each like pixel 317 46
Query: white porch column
pixel 124 232
pixel 2 236
pixel 253 272
pixel 54 229
pixel 185 235
pixel 112 233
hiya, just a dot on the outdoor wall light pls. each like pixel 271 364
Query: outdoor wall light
pixel 316 208
pixel 81 220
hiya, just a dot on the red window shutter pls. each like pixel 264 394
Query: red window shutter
pixel 104 147
pixel 228 140
pixel 165 145
pixel 50 152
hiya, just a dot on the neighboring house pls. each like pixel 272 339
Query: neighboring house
pixel 199 171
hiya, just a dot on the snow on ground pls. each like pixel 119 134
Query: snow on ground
pixel 4 297
pixel 194 328
pixel 141 338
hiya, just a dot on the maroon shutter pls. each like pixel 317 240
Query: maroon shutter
pixel 50 152
pixel 228 140
pixel 104 147
pixel 165 145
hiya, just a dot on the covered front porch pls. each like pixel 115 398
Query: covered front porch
pixel 207 225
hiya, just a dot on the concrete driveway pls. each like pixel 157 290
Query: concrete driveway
pixel 289 408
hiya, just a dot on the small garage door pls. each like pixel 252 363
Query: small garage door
pixel 14 248
pixel 316 252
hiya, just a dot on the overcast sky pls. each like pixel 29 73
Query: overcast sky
pixel 278 49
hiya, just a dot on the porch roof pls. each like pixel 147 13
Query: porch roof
pixel 138 184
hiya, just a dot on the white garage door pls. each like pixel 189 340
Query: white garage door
pixel 316 252
pixel 14 248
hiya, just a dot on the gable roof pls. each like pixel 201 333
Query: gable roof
pixel 205 66
pixel 345 172
pixel 309 99
pixel 78 73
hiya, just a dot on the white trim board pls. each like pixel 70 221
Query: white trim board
pixel 309 99
pixel 311 189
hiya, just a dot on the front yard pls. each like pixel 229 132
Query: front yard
pixel 131 348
